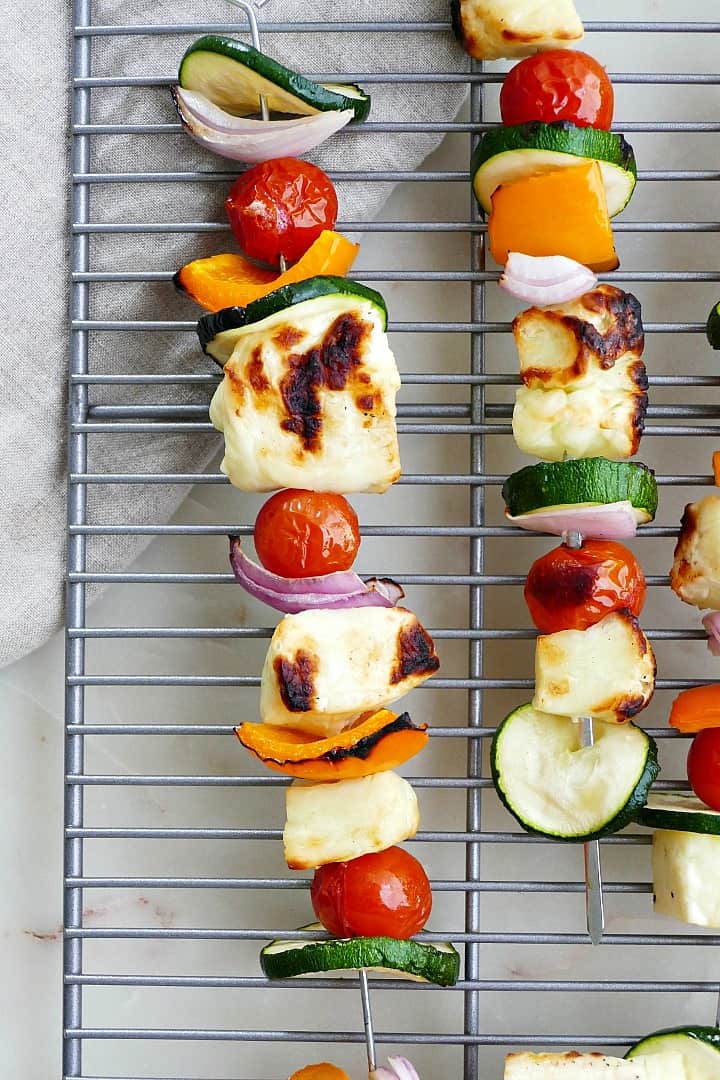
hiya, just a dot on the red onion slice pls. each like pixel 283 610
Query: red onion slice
pixel 252 141
pixel 343 589
pixel 552 279
pixel 610 521
pixel 398 1068
pixel 711 622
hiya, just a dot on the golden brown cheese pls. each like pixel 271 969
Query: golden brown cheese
pixel 308 400
pixel 325 668
pixel 695 573
pixel 496 29
pixel 584 390
pixel 606 672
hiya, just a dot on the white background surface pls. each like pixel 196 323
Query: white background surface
pixel 31 699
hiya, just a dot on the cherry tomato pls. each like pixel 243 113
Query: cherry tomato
pixel 703 766
pixel 560 84
pixel 385 894
pixel 570 589
pixel 279 208
pixel 306 533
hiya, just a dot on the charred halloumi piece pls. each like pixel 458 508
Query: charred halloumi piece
pixel 343 820
pixel 606 672
pixel 497 29
pixel 324 669
pixel 584 391
pixel 308 400
pixel 667 1066
pixel 695 573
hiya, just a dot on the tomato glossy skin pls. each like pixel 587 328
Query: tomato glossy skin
pixel 306 533
pixel 569 589
pixel 385 894
pixel 280 207
pixel 560 84
pixel 703 766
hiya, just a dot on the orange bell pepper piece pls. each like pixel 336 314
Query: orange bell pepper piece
pixel 559 212
pixel 232 280
pixel 381 741
pixel 323 1071
pixel 696 709
pixel 716 467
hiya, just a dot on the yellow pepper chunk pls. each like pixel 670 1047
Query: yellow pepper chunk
pixel 560 212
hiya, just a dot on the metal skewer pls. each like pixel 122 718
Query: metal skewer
pixel 255 35
pixel 594 900
pixel 367 1020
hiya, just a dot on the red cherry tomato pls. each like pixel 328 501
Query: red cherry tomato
pixel 703 766
pixel 570 589
pixel 306 533
pixel 386 894
pixel 279 208
pixel 560 84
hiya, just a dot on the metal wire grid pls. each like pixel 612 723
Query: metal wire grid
pixel 474 420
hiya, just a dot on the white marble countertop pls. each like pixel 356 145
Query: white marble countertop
pixel 31 788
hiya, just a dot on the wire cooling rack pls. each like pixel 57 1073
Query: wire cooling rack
pixel 136 989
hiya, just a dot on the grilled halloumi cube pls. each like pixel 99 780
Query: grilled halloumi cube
pixel 668 1066
pixel 686 877
pixel 308 400
pixel 606 671
pixel 325 668
pixel 695 573
pixel 493 29
pixel 584 390
pixel 343 820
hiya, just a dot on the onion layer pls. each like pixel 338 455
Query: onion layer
pixel 552 279
pixel 397 1068
pixel 711 622
pixel 343 589
pixel 244 139
pixel 609 521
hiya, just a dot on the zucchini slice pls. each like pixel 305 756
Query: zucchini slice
pixel 219 331
pixel 233 75
pixel 513 153
pixel 713 327
pixel 583 482
pixel 680 813
pixel 698 1046
pixel 436 962
pixel 556 787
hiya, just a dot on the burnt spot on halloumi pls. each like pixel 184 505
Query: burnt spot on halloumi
pixel 296 680
pixel 256 373
pixel 332 365
pixel 415 654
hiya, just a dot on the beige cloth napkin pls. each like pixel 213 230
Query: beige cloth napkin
pixel 33 270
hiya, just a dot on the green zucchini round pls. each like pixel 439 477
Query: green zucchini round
pixel 435 962
pixel 699 1047
pixel 505 154
pixel 233 75
pixel 586 481
pixel 713 327
pixel 558 788
pixel 679 813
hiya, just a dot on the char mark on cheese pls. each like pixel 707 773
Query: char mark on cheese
pixel 295 681
pixel 256 372
pixel 330 366
pixel 287 337
pixel 415 654
pixel 624 318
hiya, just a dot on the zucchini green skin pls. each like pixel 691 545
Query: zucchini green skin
pixel 308 91
pixel 624 817
pixel 412 957
pixel 713 327
pixel 209 326
pixel 587 480
pixel 561 137
pixel 701 821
